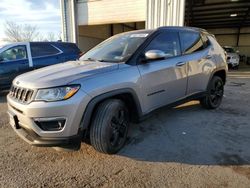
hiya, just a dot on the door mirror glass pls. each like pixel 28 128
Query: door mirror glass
pixel 155 54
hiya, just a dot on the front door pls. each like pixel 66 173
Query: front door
pixel 163 81
pixel 14 61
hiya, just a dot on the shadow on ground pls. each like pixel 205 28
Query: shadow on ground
pixel 192 135
pixel 3 95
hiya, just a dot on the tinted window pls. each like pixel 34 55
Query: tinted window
pixel 69 48
pixel 38 50
pixel 14 53
pixel 229 50
pixel 191 42
pixel 166 42
pixel 205 40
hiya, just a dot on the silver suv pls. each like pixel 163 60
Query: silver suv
pixel 121 80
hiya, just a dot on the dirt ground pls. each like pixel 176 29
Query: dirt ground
pixel 186 146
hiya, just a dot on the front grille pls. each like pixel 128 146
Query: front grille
pixel 20 94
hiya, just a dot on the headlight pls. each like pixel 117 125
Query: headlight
pixel 57 93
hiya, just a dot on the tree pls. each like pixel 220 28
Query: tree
pixel 51 36
pixel 17 33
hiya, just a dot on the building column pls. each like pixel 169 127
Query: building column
pixel 69 20
pixel 165 13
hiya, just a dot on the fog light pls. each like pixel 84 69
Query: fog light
pixel 50 124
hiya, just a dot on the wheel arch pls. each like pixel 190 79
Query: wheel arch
pixel 222 74
pixel 128 96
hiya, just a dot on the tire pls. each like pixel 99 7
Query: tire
pixel 214 95
pixel 109 128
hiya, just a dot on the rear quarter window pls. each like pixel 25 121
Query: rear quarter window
pixel 205 40
pixel 69 48
pixel 39 50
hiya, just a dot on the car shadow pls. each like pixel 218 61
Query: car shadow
pixel 192 135
pixel 3 95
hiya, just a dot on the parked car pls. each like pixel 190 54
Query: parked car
pixel 233 58
pixel 21 57
pixel 248 61
pixel 119 81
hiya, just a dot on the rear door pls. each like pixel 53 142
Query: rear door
pixel 14 61
pixel 44 54
pixel 198 53
pixel 163 81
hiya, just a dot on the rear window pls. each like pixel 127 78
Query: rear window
pixel 191 42
pixel 38 50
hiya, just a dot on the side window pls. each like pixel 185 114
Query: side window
pixel 38 50
pixel 191 42
pixel 167 42
pixel 14 53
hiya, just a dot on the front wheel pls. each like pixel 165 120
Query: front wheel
pixel 236 67
pixel 109 129
pixel 214 95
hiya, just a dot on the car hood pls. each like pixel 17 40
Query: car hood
pixel 62 74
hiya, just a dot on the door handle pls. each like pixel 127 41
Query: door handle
pixel 208 57
pixel 180 64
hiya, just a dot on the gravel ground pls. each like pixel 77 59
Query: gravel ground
pixel 186 146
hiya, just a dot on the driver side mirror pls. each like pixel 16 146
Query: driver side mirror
pixel 154 55
pixel 1 59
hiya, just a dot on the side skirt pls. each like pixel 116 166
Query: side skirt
pixel 195 96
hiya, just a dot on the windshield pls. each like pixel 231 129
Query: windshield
pixel 118 48
pixel 2 46
pixel 229 50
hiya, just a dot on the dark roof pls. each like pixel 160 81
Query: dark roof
pixel 49 42
pixel 217 13
pixel 179 28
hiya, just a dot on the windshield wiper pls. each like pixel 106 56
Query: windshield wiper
pixel 90 59
pixel 100 60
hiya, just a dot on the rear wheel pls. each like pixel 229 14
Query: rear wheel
pixel 214 95
pixel 109 129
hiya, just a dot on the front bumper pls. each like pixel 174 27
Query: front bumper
pixel 34 139
pixel 233 62
pixel 23 116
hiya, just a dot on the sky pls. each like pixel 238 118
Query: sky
pixel 45 14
